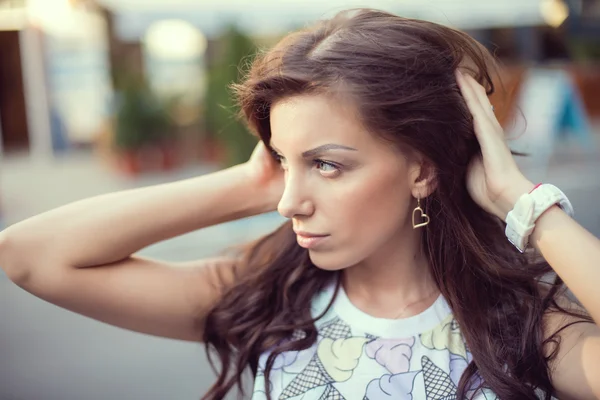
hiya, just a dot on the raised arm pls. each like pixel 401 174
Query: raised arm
pixel 496 184
pixel 81 256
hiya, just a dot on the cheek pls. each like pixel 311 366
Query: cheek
pixel 371 210
pixel 382 210
pixel 361 225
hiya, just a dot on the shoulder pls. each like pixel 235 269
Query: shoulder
pixel 572 345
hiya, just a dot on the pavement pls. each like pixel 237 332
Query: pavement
pixel 47 353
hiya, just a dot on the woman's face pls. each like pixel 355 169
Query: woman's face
pixel 347 192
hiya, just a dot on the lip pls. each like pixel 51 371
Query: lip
pixel 309 240
pixel 308 234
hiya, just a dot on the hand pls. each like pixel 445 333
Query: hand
pixel 265 172
pixel 494 180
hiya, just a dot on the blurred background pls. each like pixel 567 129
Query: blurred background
pixel 104 95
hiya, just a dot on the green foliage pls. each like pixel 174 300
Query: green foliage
pixel 220 111
pixel 585 49
pixel 141 119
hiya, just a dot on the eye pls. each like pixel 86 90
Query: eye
pixel 327 167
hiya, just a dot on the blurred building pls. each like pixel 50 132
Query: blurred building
pixel 60 60
pixel 54 81
pixel 13 113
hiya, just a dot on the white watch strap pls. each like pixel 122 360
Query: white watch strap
pixel 520 222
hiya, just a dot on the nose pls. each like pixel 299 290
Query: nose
pixel 295 200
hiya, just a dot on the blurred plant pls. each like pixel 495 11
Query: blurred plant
pixel 141 118
pixel 585 49
pixel 221 119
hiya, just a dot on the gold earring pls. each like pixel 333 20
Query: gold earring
pixel 424 218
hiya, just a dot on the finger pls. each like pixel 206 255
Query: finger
pixel 484 119
pixel 492 144
pixel 468 94
pixel 484 101
pixel 481 120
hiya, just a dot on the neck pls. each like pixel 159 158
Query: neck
pixel 395 282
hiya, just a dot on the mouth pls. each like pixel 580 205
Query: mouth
pixel 310 240
pixel 309 235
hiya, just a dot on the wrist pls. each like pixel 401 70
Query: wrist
pixel 259 194
pixel 522 219
pixel 507 201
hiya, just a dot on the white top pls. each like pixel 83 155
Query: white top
pixel 359 357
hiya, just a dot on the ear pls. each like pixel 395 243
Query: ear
pixel 422 178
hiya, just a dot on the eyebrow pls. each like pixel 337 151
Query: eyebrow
pixel 321 149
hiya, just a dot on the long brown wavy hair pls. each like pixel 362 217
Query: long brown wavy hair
pixel 400 74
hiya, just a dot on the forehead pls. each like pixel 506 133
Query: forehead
pixel 311 120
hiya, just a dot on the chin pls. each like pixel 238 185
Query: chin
pixel 329 260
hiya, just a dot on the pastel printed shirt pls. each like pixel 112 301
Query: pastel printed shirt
pixel 360 357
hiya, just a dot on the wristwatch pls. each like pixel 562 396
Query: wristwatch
pixel 520 222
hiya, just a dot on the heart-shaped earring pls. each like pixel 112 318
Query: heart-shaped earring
pixel 423 217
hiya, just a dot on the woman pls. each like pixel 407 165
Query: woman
pixel 394 277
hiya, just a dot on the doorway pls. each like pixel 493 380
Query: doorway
pixel 13 113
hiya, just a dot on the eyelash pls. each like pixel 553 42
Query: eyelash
pixel 327 163
pixel 317 161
